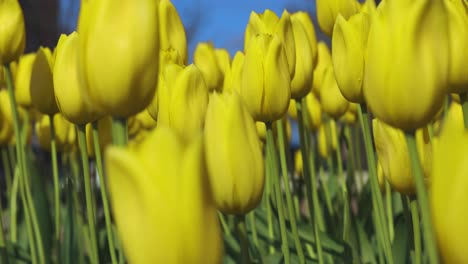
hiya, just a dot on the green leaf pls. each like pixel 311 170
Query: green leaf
pixel 401 243
pixel 367 251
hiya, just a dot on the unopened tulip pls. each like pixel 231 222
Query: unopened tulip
pixel 309 27
pixel 349 44
pixel 12 31
pixel 42 84
pixel 324 60
pixel 314 112
pixel 6 118
pixel 298 162
pixel 235 166
pixel 333 102
pixel 206 60
pixel 224 60
pixel 157 183
pixel 323 142
pixel 104 127
pixel 233 76
pixel 266 80
pixel 119 49
pixel 146 120
pixel 61 127
pixel 404 83
pixel 328 11
pixel 171 30
pixel 23 80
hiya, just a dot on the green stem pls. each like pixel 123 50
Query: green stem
pixel 244 241
pixel 225 226
pixel 421 191
pixel 253 227
pixel 87 185
pixel 464 103
pixel 416 231
pixel 388 201
pixel 29 225
pixel 13 207
pixel 273 161
pixel 289 202
pixel 375 190
pixel 105 199
pixel 310 179
pixel 267 196
pixel 357 154
pixel 119 131
pixel 53 148
pixel 7 169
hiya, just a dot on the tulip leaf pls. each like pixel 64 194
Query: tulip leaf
pixel 401 243
pixel 333 246
pixel 366 250
pixel 276 258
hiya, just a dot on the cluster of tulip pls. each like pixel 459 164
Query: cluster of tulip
pixel 193 151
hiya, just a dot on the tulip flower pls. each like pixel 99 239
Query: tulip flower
pixel 314 112
pixel 162 200
pixel 119 50
pixel 171 30
pixel 333 102
pixel 448 193
pixel 146 120
pixel 261 130
pixel 350 117
pixel 233 75
pixel 324 60
pixel 41 83
pixel 308 25
pixel 206 60
pixel 23 80
pixel 328 11
pixel 69 84
pixel 12 32
pixel 381 177
pixel 104 127
pixel 62 127
pixel 298 162
pixel 183 99
pixel 6 119
pixel 268 23
pixel 401 66
pixel 224 60
pixel 323 142
pixel 392 151
pixel 349 47
pixel 266 80
pixel 235 167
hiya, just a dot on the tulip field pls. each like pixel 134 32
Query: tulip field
pixel 115 148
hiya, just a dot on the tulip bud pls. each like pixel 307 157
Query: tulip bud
pixel 333 102
pixel 161 183
pixel 119 54
pixel 235 167
pixel 401 65
pixel 233 75
pixel 23 80
pixel 323 142
pixel 146 120
pixel 171 30
pixel 308 25
pixel 314 112
pixel 448 193
pixel 381 177
pixel 328 11
pixel 69 84
pixel 348 47
pixel 266 81
pixel 6 118
pixel 350 117
pixel 206 60
pixel 104 127
pixel 324 60
pixel 261 130
pixel 12 32
pixel 224 60
pixel 298 163
pixel 61 127
pixel 41 84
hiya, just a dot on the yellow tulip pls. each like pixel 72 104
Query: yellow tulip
pixel 119 50
pixel 146 120
pixel 381 177
pixel 328 11
pixel 292 109
pixel 261 130
pixel 448 193
pixel 308 25
pixel 458 32
pixel 298 163
pixel 323 142
pixel 171 30
pixel 404 83
pixel 333 102
pixel 224 60
pixel 233 75
pixel 69 84
pixel 349 117
pixel 183 99
pixel 6 119
pixel 206 60
pixel 324 60
pixel 235 167
pixel 392 151
pixel 61 126
pixel 266 81
pixel 133 126
pixel 12 31
pixel 163 183
pixel 314 112
pixel 348 48
pixel 42 84
pixel 268 23
pixel 104 127
pixel 23 80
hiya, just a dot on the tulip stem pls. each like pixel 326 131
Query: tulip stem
pixel 244 241
pixel 273 162
pixel 289 201
pixel 53 148
pixel 388 201
pixel 310 179
pixel 105 199
pixel 421 191
pixel 119 131
pixel 380 223
pixel 267 194
pixel 13 207
pixel 464 103
pixel 87 185
pixel 7 170
pixel 253 227
pixel 416 231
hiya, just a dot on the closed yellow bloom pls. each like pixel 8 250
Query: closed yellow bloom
pixel 224 60
pixel 349 44
pixel 448 193
pixel 458 33
pixel 6 118
pixel 171 30
pixel 104 127
pixel 261 130
pixel 146 120
pixel 268 23
pixel 183 99
pixel 233 155
pixel 266 81
pixel 206 60
pixel 69 84
pixel 328 11
pixel 404 83
pixel 392 150
pixel 308 25
pixel 42 84
pixel 292 112
pixel 381 177
pixel 61 126
pixel 349 117
pixel 133 126
pixel 119 49
pixel 298 163
pixel 161 197
pixel 333 102
pixel 323 142
pixel 23 80
pixel 12 31
pixel 233 75
pixel 324 60
pixel 314 112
